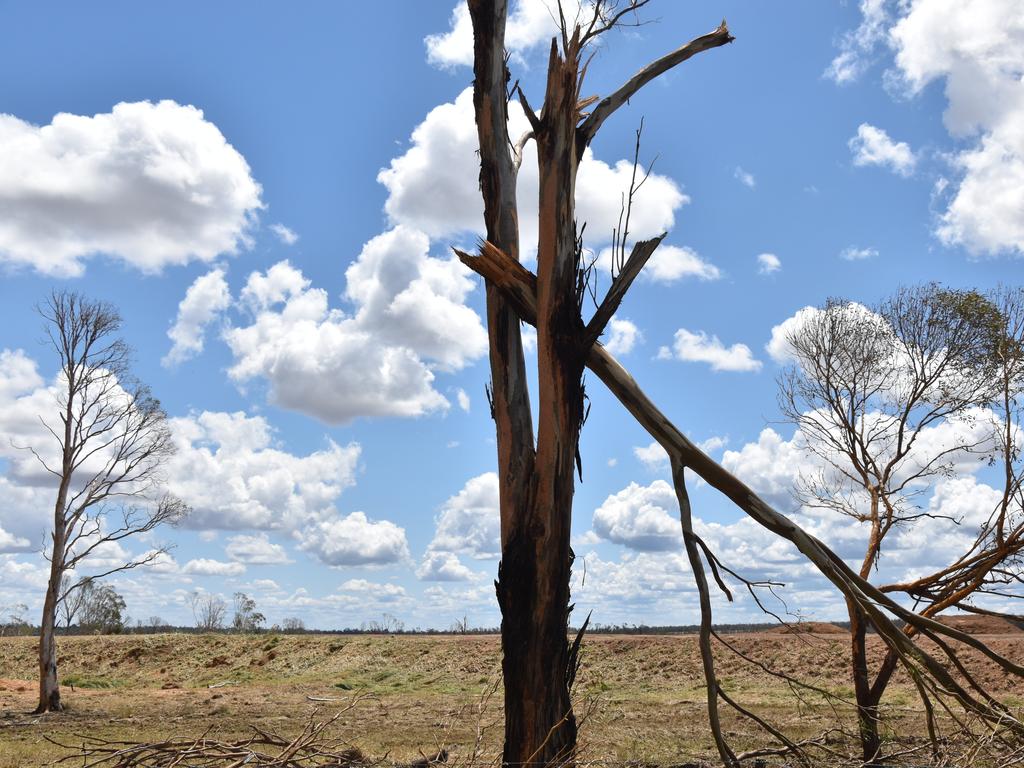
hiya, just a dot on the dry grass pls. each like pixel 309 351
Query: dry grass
pixel 645 692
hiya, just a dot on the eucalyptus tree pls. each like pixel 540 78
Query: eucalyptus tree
pixel 110 438
pixel 889 401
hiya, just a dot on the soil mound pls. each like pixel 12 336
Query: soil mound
pixel 981 625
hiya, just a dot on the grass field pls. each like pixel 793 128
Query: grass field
pixel 643 695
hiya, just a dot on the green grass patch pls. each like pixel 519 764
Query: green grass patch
pixel 97 683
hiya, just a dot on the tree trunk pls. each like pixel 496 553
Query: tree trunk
pixel 540 725
pixel 867 709
pixel 49 686
pixel 538 717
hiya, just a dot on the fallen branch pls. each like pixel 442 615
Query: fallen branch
pixel 312 747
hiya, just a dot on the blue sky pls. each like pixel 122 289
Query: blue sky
pixel 834 149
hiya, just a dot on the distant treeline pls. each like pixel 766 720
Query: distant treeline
pixel 596 629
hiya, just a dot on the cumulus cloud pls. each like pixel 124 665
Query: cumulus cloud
pixel 699 347
pixel 530 23
pixel 872 146
pixel 976 48
pixel 207 567
pixel 622 336
pixel 468 522
pixel 228 469
pixel 354 539
pixel 463 399
pixel 411 319
pixel 433 185
pixel 768 263
pixel 668 265
pixel 652 456
pixel 11 543
pixel 204 300
pixel 640 517
pixel 151 185
pixel 443 566
pixel 380 591
pixel 255 550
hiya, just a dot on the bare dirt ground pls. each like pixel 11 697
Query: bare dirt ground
pixel 642 695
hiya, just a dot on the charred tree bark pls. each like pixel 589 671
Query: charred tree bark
pixel 538 724
pixel 536 483
pixel 536 558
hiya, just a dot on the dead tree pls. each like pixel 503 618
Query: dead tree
pixel 536 482
pixel 111 439
pixel 938 676
pixel 864 389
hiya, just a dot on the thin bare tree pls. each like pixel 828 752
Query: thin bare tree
pixel 865 389
pixel 111 439
pixel 209 611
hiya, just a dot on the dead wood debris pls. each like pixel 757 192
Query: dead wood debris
pixel 314 747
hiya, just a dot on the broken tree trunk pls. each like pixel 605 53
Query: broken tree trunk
pixel 930 675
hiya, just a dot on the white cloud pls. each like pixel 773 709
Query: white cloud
pixel 770 466
pixel 778 346
pixel 853 253
pixel 469 521
pixel 857 47
pixel 380 591
pixel 463 399
pixel 408 298
pixel 623 335
pixel 744 178
pixel 530 23
pixel 355 540
pixel 227 468
pixel 713 444
pixel 872 146
pixel 768 263
pixel 443 566
pixel 207 567
pixel 153 185
pixel 976 47
pixel 639 517
pixel 204 300
pixel 700 348
pixel 434 187
pixel 11 543
pixel 410 320
pixel 284 234
pixel 652 456
pixel 669 264
pixel 255 550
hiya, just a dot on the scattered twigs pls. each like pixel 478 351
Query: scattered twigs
pixel 312 747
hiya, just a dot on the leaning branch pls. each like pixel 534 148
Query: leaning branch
pixel 586 131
